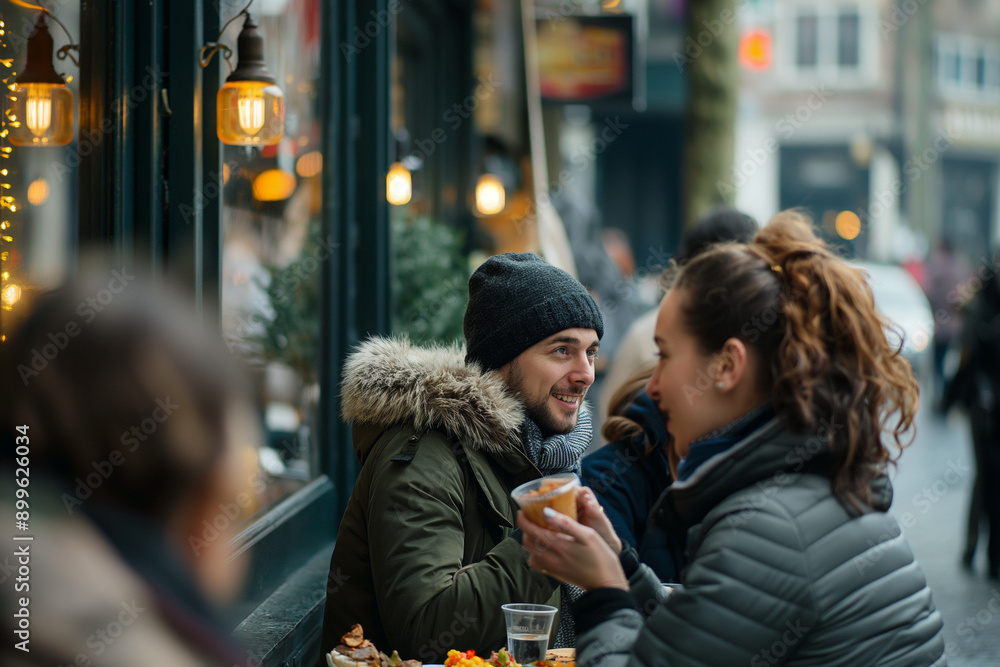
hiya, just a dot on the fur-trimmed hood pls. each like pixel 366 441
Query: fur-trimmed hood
pixel 389 381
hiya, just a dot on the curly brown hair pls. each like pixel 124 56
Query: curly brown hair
pixel 826 365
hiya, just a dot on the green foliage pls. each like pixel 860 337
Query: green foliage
pixel 430 280
pixel 429 285
pixel 291 336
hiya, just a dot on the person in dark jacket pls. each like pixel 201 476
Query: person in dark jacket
pixel 776 383
pixel 629 473
pixel 977 384
pixel 427 553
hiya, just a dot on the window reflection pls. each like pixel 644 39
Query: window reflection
pixel 38 185
pixel 273 251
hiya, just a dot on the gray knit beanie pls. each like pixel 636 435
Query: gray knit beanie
pixel 519 299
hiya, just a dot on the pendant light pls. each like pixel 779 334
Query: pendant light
pixel 491 197
pixel 251 106
pixel 41 106
pixel 398 184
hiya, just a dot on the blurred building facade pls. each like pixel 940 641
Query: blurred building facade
pixel 880 118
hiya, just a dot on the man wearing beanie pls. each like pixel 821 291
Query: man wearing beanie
pixel 427 552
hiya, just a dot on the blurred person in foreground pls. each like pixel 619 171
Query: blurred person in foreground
pixel 637 350
pixel 427 547
pixel 628 474
pixel 136 439
pixel 776 383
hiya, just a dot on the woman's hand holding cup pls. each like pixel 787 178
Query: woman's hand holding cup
pixel 577 553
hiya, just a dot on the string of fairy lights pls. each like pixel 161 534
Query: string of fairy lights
pixel 10 291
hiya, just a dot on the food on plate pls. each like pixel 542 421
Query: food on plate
pixel 356 651
pixel 559 657
pixel 463 659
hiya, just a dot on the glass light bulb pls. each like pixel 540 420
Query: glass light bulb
pixel 44 113
pixel 490 195
pixel 250 113
pixel 251 110
pixel 10 295
pixel 398 185
pixel 38 110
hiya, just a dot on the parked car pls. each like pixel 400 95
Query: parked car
pixel 899 297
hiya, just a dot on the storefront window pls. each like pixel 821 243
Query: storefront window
pixel 38 183
pixel 273 250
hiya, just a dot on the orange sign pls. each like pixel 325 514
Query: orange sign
pixel 755 50
pixel 585 58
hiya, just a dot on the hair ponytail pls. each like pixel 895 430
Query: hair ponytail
pixel 826 363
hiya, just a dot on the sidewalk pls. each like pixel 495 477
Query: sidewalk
pixel 931 503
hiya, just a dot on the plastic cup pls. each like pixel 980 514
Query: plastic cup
pixel 528 628
pixel 555 491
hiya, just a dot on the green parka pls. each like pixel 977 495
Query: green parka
pixel 424 558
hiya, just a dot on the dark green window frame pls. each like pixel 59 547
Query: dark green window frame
pixel 145 196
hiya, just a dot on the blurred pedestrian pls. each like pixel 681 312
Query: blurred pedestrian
pixel 945 270
pixel 976 384
pixel 637 349
pixel 127 415
pixel 629 473
pixel 777 383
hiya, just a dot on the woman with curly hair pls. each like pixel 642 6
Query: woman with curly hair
pixel 776 383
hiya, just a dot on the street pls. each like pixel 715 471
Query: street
pixel 931 502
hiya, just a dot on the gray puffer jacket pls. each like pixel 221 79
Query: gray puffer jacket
pixel 780 573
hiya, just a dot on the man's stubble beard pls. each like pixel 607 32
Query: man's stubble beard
pixel 538 410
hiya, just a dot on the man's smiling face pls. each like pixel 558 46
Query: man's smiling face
pixel 552 377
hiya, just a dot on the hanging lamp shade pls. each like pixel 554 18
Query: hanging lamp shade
pixel 251 106
pixel 41 106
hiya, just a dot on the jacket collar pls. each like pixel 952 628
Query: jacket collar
pixel 766 457
pixel 389 381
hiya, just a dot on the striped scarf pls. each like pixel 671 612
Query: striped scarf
pixel 562 452
pixel 555 454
